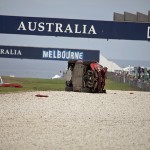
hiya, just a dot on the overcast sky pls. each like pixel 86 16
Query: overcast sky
pixel 78 9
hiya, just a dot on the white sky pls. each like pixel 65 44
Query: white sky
pixel 78 9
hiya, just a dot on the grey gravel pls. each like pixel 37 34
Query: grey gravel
pixel 118 120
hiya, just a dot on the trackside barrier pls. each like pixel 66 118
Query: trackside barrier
pixel 139 84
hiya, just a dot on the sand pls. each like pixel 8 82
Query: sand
pixel 75 121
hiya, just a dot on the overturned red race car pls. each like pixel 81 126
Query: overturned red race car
pixel 85 76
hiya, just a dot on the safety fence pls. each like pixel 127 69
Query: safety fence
pixel 140 84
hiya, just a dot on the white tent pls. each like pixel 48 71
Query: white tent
pixel 128 69
pixel 56 77
pixel 112 67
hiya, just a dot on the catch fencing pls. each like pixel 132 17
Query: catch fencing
pixel 139 84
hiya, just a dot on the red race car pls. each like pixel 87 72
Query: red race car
pixel 85 76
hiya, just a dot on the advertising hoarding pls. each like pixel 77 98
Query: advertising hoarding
pixel 74 28
pixel 48 53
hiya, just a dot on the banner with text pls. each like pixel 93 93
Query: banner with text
pixel 74 28
pixel 48 53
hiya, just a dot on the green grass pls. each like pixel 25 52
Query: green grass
pixel 33 84
pixel 113 85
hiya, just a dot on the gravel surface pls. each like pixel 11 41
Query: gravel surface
pixel 75 121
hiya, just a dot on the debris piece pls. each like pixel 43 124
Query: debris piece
pixel 39 95
pixel 11 85
pixel 131 93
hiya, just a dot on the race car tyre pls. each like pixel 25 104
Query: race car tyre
pixel 67 88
